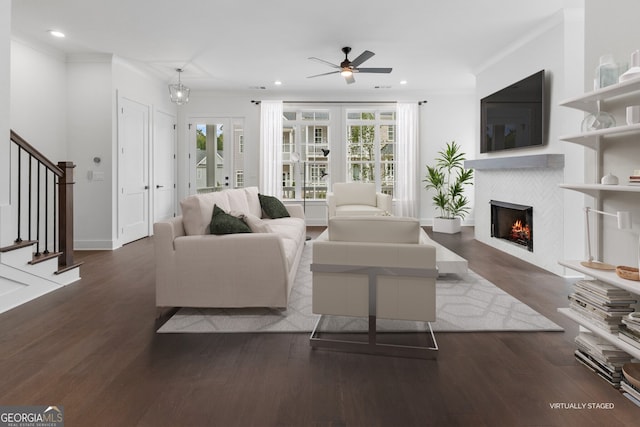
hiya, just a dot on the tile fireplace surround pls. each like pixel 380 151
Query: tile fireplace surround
pixel 526 180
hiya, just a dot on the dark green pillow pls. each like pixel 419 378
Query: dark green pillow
pixel 223 223
pixel 272 207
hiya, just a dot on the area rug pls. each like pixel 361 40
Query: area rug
pixel 467 303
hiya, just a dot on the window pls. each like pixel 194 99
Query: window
pixel 365 153
pixel 370 148
pixel 304 163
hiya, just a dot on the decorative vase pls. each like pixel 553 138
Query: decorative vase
pixel 447 225
pixel 599 120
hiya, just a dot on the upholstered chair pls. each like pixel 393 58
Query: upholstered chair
pixel 357 199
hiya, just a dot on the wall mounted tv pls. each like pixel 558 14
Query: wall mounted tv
pixel 514 117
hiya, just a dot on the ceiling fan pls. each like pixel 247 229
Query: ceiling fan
pixel 348 68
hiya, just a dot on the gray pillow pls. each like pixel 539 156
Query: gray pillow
pixel 272 207
pixel 224 223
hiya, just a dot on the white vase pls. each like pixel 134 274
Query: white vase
pixel 447 225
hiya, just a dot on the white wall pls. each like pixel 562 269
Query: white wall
pixel 5 106
pixel 444 118
pixel 556 47
pixel 90 135
pixel 38 97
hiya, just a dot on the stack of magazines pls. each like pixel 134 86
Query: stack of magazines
pixel 600 303
pixel 630 383
pixel 630 329
pixel 601 357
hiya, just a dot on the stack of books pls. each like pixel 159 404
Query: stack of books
pixel 600 303
pixel 630 383
pixel 635 178
pixel 629 331
pixel 601 357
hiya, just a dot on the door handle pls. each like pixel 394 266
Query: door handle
pixel 146 187
pixel 159 186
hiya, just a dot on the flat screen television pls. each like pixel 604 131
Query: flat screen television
pixel 514 117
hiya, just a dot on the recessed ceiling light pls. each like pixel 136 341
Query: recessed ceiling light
pixel 56 33
pixel 277 83
pixel 403 82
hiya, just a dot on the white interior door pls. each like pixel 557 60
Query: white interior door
pixel 133 145
pixel 164 167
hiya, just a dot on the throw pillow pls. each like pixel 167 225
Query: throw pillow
pixel 272 207
pixel 224 223
pixel 256 224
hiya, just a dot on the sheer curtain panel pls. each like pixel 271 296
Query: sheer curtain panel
pixel 271 148
pixel 407 179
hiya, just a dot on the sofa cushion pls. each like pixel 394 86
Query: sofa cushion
pixel 224 223
pixel 238 200
pixel 355 193
pixel 374 229
pixel 357 210
pixel 198 209
pixel 253 201
pixel 288 228
pixel 272 207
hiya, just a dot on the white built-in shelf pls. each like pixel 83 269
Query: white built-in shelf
pixel 612 338
pixel 594 190
pixel 591 139
pixel 589 102
pixel 607 276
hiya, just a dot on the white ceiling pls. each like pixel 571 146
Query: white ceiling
pixel 239 44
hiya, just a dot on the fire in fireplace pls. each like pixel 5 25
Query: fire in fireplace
pixel 512 222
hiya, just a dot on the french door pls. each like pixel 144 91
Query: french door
pixel 216 154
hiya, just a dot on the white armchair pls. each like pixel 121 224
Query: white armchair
pixel 357 199
pixel 374 266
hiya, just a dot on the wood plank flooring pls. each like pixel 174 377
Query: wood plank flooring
pixel 92 348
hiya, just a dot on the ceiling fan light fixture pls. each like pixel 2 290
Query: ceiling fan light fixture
pixel 178 92
pixel 346 73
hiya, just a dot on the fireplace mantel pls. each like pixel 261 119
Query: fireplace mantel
pixel 536 161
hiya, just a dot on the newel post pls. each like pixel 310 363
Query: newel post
pixel 65 219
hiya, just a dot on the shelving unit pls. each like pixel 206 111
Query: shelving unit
pixel 594 138
pixel 615 96
pixel 589 101
pixel 594 190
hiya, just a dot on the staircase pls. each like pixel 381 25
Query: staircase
pixel 36 230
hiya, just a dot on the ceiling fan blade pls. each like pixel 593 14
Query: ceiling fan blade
pixel 324 62
pixel 350 79
pixel 363 57
pixel 374 70
pixel 323 74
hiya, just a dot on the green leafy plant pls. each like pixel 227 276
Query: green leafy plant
pixel 448 178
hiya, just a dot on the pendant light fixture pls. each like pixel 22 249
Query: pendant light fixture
pixel 179 93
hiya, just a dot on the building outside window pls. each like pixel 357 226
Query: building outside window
pixel 305 133
pixel 370 148
pixel 366 154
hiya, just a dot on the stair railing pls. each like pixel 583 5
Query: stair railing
pixel 48 220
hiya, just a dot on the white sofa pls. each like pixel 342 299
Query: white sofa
pixel 198 269
pixel 357 199
pixel 375 267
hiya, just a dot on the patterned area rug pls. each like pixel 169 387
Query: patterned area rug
pixel 463 304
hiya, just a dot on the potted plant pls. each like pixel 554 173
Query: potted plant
pixel 448 178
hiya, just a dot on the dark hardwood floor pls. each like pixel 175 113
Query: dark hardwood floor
pixel 92 348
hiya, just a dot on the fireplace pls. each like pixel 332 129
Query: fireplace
pixel 512 222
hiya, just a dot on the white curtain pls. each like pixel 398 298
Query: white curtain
pixel 271 148
pixel 407 179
